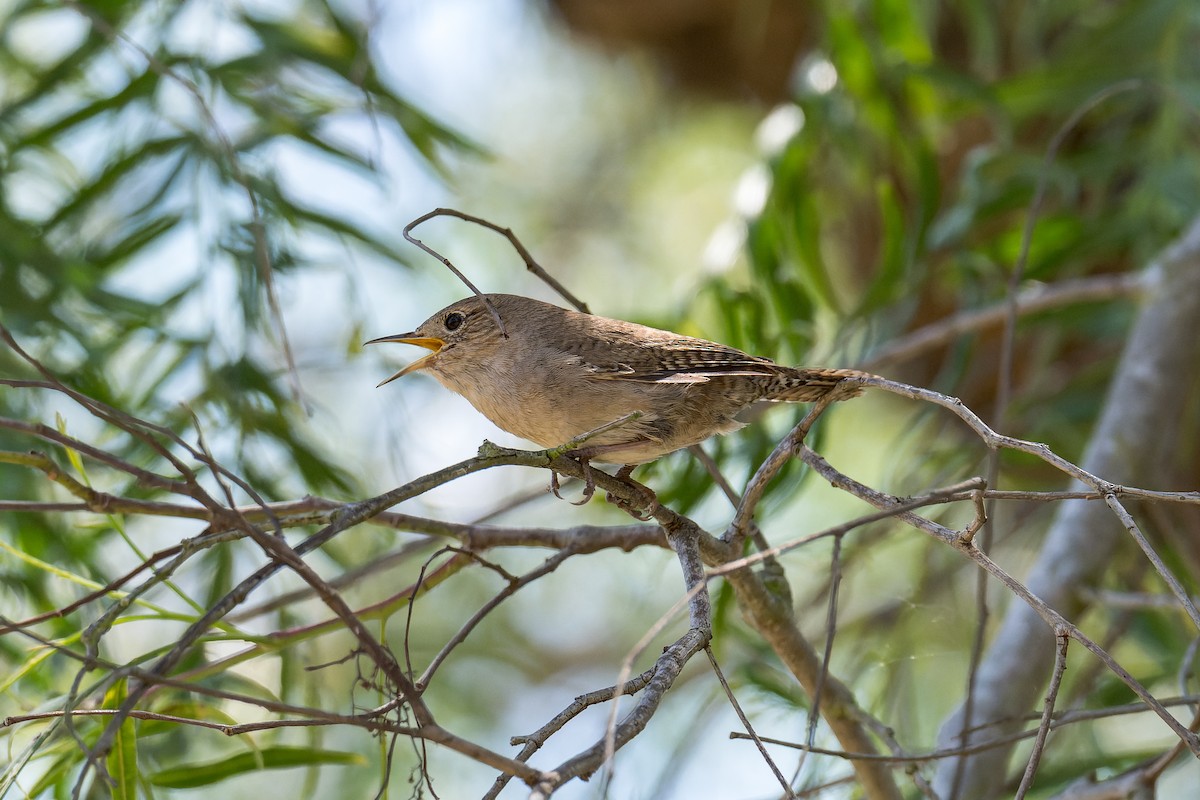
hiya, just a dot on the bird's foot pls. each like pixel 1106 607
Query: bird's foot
pixel 554 485
pixel 643 510
pixel 589 484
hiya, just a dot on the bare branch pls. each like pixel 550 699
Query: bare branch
pixel 1137 425
pixel 534 741
pixel 1049 616
pixel 526 256
pixel 737 707
pixel 1060 720
pixel 1039 742
pixel 1029 300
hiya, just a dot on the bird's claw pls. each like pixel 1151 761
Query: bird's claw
pixel 589 484
pixel 644 514
pixel 643 510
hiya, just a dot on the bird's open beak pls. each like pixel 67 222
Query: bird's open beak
pixel 430 342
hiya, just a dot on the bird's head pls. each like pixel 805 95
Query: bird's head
pixel 460 332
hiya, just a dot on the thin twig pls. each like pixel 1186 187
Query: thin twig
pixel 1060 720
pixel 683 536
pixel 1029 300
pixel 450 266
pixel 514 585
pixel 1039 743
pixel 770 467
pixel 1050 616
pixel 526 256
pixel 737 709
pixel 531 743
pixel 835 581
pixel 993 440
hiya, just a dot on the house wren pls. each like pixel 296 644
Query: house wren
pixel 560 374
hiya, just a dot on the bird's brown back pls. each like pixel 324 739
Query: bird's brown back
pixel 560 374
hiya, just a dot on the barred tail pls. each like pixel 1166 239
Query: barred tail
pixel 804 385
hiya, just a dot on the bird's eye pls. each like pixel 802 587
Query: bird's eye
pixel 453 320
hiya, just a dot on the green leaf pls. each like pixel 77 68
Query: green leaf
pixel 142 86
pixel 135 239
pixel 58 771
pixel 60 423
pixel 122 759
pixel 191 776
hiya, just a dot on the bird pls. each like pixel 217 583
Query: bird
pixel 553 375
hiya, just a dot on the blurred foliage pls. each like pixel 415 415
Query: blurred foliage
pixel 915 142
pixel 138 190
pixel 903 193
pixel 899 198
pixel 117 142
